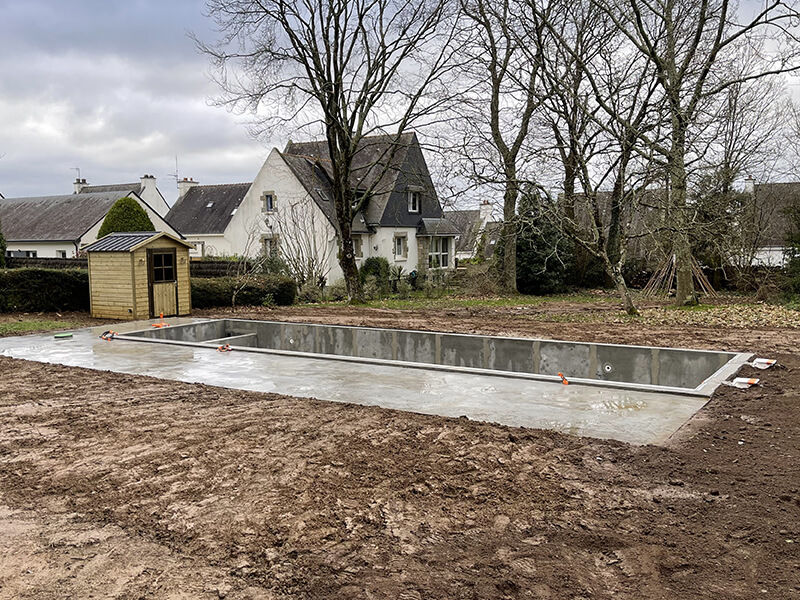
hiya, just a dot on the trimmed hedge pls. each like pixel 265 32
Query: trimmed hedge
pixel 125 215
pixel 44 290
pixel 269 289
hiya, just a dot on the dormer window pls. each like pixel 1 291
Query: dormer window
pixel 414 201
pixel 209 205
pixel 268 202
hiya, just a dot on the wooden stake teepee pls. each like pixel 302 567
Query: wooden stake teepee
pixel 663 280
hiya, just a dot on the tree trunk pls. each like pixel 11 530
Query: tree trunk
pixel 624 291
pixel 681 245
pixel 508 279
pixel 347 261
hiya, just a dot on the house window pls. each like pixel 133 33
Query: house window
pixel 163 267
pixel 414 201
pixel 61 253
pixel 269 245
pixel 358 248
pixel 268 202
pixel 400 247
pixel 439 255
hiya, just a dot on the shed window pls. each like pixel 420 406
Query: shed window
pixel 163 267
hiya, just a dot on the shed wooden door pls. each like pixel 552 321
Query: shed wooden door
pixel 162 282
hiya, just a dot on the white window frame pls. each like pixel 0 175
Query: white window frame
pixel 402 240
pixel 436 252
pixel 358 246
pixel 414 201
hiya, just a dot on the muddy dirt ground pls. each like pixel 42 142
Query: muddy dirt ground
pixel 117 486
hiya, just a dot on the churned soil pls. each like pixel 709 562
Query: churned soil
pixel 119 486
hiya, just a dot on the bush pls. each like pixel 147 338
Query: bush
pixel 377 267
pixel 309 293
pixel 44 290
pixel 545 258
pixel 337 291
pixel 219 291
pixel 125 215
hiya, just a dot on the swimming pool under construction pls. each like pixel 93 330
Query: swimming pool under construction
pixel 636 394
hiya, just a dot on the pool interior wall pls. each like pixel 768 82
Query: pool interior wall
pixel 628 414
pixel 663 369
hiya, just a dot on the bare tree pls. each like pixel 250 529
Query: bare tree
pixel 498 109
pixel 689 43
pixel 301 241
pixel 603 169
pixel 355 67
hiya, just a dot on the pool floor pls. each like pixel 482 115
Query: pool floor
pixel 637 417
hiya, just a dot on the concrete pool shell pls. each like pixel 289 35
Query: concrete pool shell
pixel 635 394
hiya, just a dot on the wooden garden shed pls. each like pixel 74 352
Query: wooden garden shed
pixel 139 275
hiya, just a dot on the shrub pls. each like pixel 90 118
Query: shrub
pixel 44 290
pixel 337 291
pixel 377 267
pixel 309 293
pixel 544 256
pixel 219 291
pixel 125 215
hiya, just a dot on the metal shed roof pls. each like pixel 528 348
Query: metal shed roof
pixel 128 241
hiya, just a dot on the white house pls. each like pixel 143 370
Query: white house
pixel 60 226
pixel 289 209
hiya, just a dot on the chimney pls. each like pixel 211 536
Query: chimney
pixel 184 185
pixel 78 185
pixel 750 186
pixel 486 213
pixel 148 182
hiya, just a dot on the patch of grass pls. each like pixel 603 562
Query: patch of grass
pixel 23 327
pixel 418 301
pixel 693 307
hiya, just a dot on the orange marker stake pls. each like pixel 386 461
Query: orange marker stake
pixel 161 324
pixel 563 379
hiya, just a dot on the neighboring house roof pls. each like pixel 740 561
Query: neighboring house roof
pixel 129 241
pixel 390 166
pixel 772 202
pixel 136 188
pixel 468 224
pixel 207 209
pixel 55 218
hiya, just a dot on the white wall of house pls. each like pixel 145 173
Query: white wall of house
pixel 152 196
pixel 296 220
pixel 42 249
pixel 208 245
pixel 384 239
pixel 769 256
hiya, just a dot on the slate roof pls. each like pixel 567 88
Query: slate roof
pixel 468 224
pixel 119 241
pixel 207 209
pixel 437 227
pixel 136 188
pixel 55 218
pixel 389 166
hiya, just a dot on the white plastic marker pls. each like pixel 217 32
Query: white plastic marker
pixel 744 382
pixel 763 363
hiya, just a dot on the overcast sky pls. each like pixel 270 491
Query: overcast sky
pixel 114 88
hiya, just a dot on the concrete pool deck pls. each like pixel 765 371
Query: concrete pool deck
pixel 634 416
